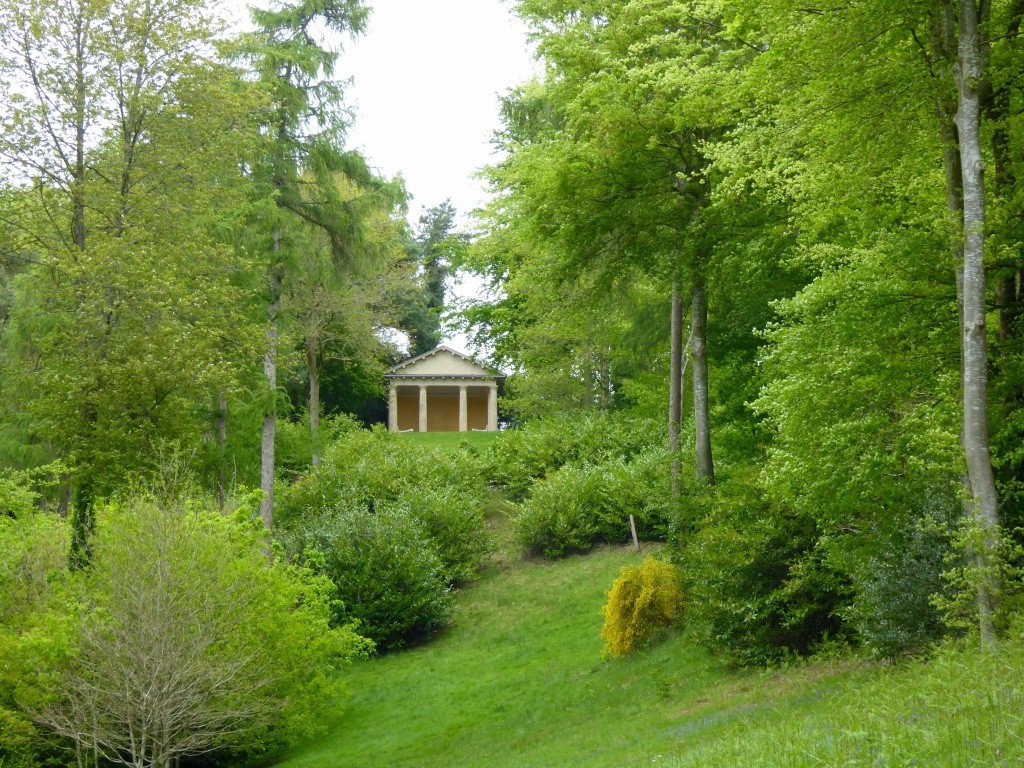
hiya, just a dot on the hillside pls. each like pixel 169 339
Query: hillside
pixel 519 681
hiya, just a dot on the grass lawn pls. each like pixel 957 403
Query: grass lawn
pixel 479 440
pixel 519 681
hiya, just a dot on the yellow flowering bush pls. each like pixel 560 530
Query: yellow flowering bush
pixel 643 598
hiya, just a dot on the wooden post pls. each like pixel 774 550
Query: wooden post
pixel 632 527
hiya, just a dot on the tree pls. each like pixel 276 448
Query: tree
pixel 609 159
pixel 436 246
pixel 124 138
pixel 182 639
pixel 305 130
pixel 868 80
pixel 340 310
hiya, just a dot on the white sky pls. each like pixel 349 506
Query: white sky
pixel 426 80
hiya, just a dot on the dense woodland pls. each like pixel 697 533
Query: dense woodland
pixel 757 277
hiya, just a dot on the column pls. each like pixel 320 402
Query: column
pixel 463 409
pixel 392 407
pixel 492 407
pixel 423 407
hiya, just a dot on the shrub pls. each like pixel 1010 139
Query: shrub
pixel 33 554
pixel 521 456
pixel 757 584
pixel 580 505
pixel 382 472
pixel 643 599
pixel 387 574
pixel 894 611
pixel 182 600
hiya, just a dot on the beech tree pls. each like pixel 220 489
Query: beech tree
pixel 609 161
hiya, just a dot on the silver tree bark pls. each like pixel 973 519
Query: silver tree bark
pixel 970 71
pixel 699 354
pixel 270 370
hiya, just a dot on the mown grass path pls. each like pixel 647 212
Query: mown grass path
pixel 519 681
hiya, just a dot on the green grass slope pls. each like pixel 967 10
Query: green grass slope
pixel 519 682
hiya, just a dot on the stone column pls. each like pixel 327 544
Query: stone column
pixel 423 407
pixel 492 407
pixel 463 409
pixel 392 407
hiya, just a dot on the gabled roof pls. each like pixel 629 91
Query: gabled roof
pixel 408 367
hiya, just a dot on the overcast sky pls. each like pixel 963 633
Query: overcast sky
pixel 426 80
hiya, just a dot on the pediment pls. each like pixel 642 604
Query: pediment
pixel 441 362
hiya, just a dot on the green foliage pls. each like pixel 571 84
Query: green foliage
pixel 757 585
pixel 434 250
pixel 380 471
pixel 180 598
pixel 530 452
pixel 293 452
pixel 582 504
pixel 965 574
pixel 643 599
pixel 388 577
pixel 33 555
pixel 901 581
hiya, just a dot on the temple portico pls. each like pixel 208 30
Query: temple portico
pixel 442 391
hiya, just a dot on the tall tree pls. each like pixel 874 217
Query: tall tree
pixel 123 137
pixel 340 312
pixel 436 246
pixel 609 159
pixel 305 131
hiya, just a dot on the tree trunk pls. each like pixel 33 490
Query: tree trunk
pixel 699 354
pixel 969 73
pixel 313 365
pixel 270 370
pixel 222 445
pixel 78 175
pixel 675 385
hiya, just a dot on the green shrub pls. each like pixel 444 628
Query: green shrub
pixel 580 505
pixel 757 585
pixel 381 471
pixel 293 446
pixel 181 599
pixel 643 599
pixel 529 453
pixel 33 556
pixel 387 574
pixel 895 584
